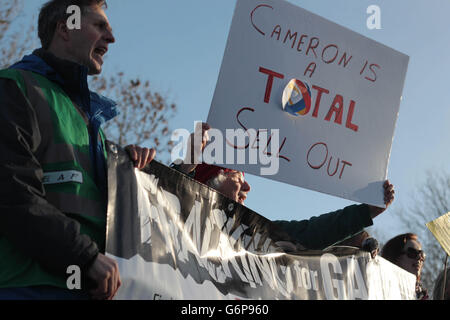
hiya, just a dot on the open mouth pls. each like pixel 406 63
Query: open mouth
pixel 100 51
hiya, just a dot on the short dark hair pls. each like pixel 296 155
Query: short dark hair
pixel 54 11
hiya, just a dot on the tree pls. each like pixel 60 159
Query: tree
pixel 143 114
pixel 15 40
pixel 428 203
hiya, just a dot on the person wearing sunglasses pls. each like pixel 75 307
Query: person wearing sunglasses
pixel 406 252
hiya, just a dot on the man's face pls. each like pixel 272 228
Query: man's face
pixel 234 186
pixel 89 44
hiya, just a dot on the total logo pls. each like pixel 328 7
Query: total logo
pixel 296 98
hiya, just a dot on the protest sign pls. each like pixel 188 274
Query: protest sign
pixel 319 98
pixel 175 238
pixel 440 228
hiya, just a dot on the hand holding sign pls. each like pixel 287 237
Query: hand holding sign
pixel 196 144
pixel 388 199
pixel 339 92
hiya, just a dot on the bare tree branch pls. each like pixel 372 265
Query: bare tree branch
pixel 144 114
pixel 15 39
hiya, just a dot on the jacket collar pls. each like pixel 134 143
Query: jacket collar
pixel 73 79
pixel 68 74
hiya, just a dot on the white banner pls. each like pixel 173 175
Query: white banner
pixel 174 238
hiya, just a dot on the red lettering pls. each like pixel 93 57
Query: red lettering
pixel 300 42
pixel 316 167
pixel 239 113
pixel 311 70
pixel 338 110
pixel 335 170
pixel 269 81
pixel 343 166
pixel 319 96
pixel 310 46
pixel 343 58
pixel 267 145
pixel 373 71
pixel 306 96
pixel 279 150
pixel 257 137
pixel 240 123
pixel 288 34
pixel 276 30
pixel 251 17
pixel 309 151
pixel 363 68
pixel 349 123
pixel 335 56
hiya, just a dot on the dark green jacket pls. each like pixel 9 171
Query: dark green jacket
pixel 48 218
pixel 317 233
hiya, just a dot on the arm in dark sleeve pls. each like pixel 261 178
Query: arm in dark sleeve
pixel 178 168
pixel 320 232
pixel 27 220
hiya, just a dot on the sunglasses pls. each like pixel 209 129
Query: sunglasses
pixel 415 254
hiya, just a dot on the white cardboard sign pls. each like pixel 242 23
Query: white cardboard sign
pixel 340 143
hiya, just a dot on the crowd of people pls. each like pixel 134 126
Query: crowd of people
pixel 53 169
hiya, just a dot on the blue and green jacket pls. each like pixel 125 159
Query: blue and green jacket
pixel 53 179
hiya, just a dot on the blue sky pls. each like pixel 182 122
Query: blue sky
pixel 178 46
